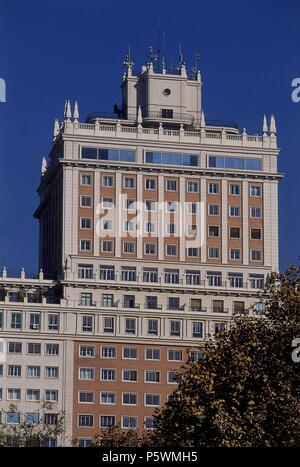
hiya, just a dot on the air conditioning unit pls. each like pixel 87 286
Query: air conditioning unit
pixel 35 326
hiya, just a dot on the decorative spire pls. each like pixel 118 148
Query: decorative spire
pixel 181 58
pixel 265 125
pixel 76 112
pixel 202 119
pixel 55 129
pixel 272 125
pixel 44 166
pixel 68 113
pixel 195 68
pixel 139 116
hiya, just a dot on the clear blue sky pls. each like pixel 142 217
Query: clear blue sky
pixel 58 49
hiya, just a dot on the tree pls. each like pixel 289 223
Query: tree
pixel 116 437
pixel 245 391
pixel 31 432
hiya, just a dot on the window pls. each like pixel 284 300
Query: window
pixel 213 230
pixel 213 188
pixel 171 276
pixel 235 253
pixel 33 371
pixel 192 208
pixel 197 329
pixel 87 351
pixel 87 323
pixel 32 418
pixel 129 375
pixel 108 374
pixel 220 327
pixel 15 347
pixel 150 184
pixel 152 354
pixel 130 353
pixel 173 303
pixel 107 421
pixel 234 190
pixel 213 252
pixel 108 324
pixel 167 113
pixel 86 420
pixel 128 182
pixel 52 349
pixel 175 355
pixel 130 325
pixel 14 370
pixel 152 327
pixel 196 304
pixel 84 442
pixel 107 224
pixel 171 185
pixel 13 418
pixel 106 246
pixel 152 400
pixel 255 190
pixel 152 376
pixel 128 247
pixel 86 223
pixel 235 280
pixel 13 394
pixel 51 395
pixel 192 229
pixel 149 423
pixel 107 181
pixel 234 163
pixel 129 274
pixel 151 302
pixel 197 355
pixel 16 320
pixel 256 255
pixel 150 205
pixel 1 319
pixel 192 187
pixel 234 232
pixel 167 158
pixel 108 352
pixel 213 209
pixel 256 281
pixel 53 322
pixel 85 245
pixel 214 279
pixel 86 397
pixel 107 202
pixel 172 377
pixel 85 271
pixel 86 373
pixel 129 398
pixel 33 395
pixel 86 299
pixel 107 273
pixel 150 275
pixel 85 179
pixel 51 372
pixel 255 234
pixel 238 307
pixel 234 211
pixel 149 227
pixel 218 306
pixel 33 348
pixel 85 201
pixel 107 300
pixel 150 249
pixel 171 206
pixel 255 212
pixel 175 327
pixel 192 277
pixel 171 250
pixel 129 301
pixel 51 418
pixel 107 398
pixel 171 229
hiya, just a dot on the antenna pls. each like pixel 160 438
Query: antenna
pixel 158 39
pixel 163 61
pixel 181 61
pixel 152 55
pixel 195 68
pixel 128 62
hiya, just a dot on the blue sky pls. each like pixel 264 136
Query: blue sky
pixel 58 49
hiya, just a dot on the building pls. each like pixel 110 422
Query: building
pixel 156 227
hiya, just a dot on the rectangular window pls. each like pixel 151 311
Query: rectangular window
pixel 53 322
pixel 150 248
pixel 234 163
pixel 14 370
pixel 256 281
pixel 128 247
pixel 128 182
pixel 152 376
pixel 256 212
pixel 234 190
pixel 109 324
pixel 196 304
pixel 107 181
pixel 172 377
pixel 51 419
pixel 235 280
pixel 175 355
pixel 152 400
pixel 175 328
pixel 33 371
pixel 130 353
pixel 256 255
pixel 85 201
pixel 173 303
pixel 171 250
pixel 85 245
pixel 85 271
pixel 192 208
pixel 86 179
pixel 128 274
pixel 213 231
pixel 33 395
pixel 108 374
pixel 107 421
pixel 86 397
pixel 129 301
pixel 150 275
pixel 107 202
pixel 86 421
pixel 87 323
pixel 51 372
pixel 152 327
pixel 129 375
pixel 235 253
pixel 107 273
pixel 13 418
pixel 51 395
pixel 32 418
pixel 213 209
pixel 52 349
pixel 213 188
pixel 167 113
pixel 34 321
pixel 192 187
pixel 218 306
pixel 149 227
pixel 87 351
pixel 106 246
pixel 13 394
pixel 213 252
pixel 171 276
pixel 214 279
pixel 150 205
pixel 151 302
pixel 234 211
pixel 108 352
pixel 130 325
pixel 152 354
pixel 192 277
pixel 89 153
pixel 255 234
pixel 33 348
pixel 149 423
pixel 86 223
pixel 255 190
pixel 197 329
pixel 16 320
pixel 86 299
pixel 171 185
pixel 235 232
pixel 107 398
pixel 86 374
pixel 150 184
pixel 129 398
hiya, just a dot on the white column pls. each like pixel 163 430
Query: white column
pixel 203 188
pixel 224 220
pixel 160 217
pixel 70 212
pixel 268 206
pixel 139 197
pixel 97 199
pixel 67 378
pixel 180 217
pixel 245 213
pixel 118 218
